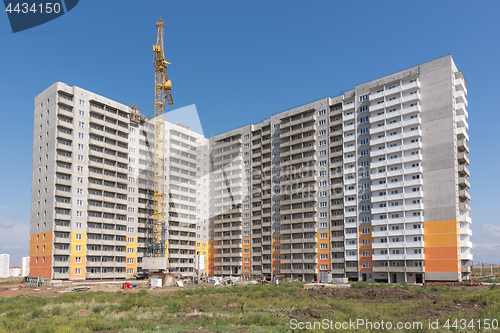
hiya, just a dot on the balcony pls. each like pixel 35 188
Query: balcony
pixel 411 109
pixel 380 245
pixel 411 85
pixel 462 121
pixel 415 256
pixel 462 134
pixel 460 108
pixel 466 256
pixel 377 141
pixel 465 218
pixel 463 170
pixel 411 97
pixel 375 95
pixel 348 106
pixel 464 194
pixel 460 97
pixel 393 102
pixel 376 107
pixel 466 243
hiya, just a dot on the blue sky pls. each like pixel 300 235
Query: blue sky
pixel 241 61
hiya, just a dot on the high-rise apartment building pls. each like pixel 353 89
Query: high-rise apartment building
pixel 4 265
pixel 92 192
pixel 371 185
pixel 25 266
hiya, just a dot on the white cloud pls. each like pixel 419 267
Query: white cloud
pixel 14 239
pixel 486 242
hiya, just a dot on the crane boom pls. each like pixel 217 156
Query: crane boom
pixel 163 88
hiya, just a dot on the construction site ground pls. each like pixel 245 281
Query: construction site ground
pixel 15 286
pixel 243 307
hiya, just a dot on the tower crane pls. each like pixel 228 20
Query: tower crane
pixel 163 87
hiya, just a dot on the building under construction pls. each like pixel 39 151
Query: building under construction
pixel 93 189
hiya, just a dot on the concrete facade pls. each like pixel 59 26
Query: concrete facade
pixel 4 265
pixel 392 157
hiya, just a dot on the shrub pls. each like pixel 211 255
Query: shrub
pixel 360 285
pixel 173 307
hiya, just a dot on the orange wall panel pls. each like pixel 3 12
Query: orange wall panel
pixel 441 246
pixel 44 256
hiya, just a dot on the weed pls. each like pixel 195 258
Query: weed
pixel 360 285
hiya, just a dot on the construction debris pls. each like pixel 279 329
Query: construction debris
pixel 465 283
pixel 327 286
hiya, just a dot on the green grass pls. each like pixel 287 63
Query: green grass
pixel 257 308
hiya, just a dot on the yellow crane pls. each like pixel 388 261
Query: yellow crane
pixel 163 87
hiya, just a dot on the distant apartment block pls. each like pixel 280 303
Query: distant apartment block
pixel 4 265
pixel 92 193
pixel 371 185
pixel 25 266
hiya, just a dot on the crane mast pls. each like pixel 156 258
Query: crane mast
pixel 163 88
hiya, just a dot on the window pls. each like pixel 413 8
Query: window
pixel 323 256
pixel 82 103
pixel 81 113
pixel 78 236
pixel 78 248
pixel 365 230
pixel 323 267
pixel 79 202
pixel 366 242
pixel 277 248
pixel 80 157
pixel 323 235
pixel 323 204
pixel 367 265
pixel 79 214
pixel 130 250
pixel 80 169
pixel 79 191
pixel 323 214
pixel 78 225
pixel 366 254
pixel 321 112
pixel 322 143
pixel 363 98
pixel 78 271
pixel 323 132
pixel 78 260
pixel 80 135
pixel 322 153
pixel 321 122
pixel 81 124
